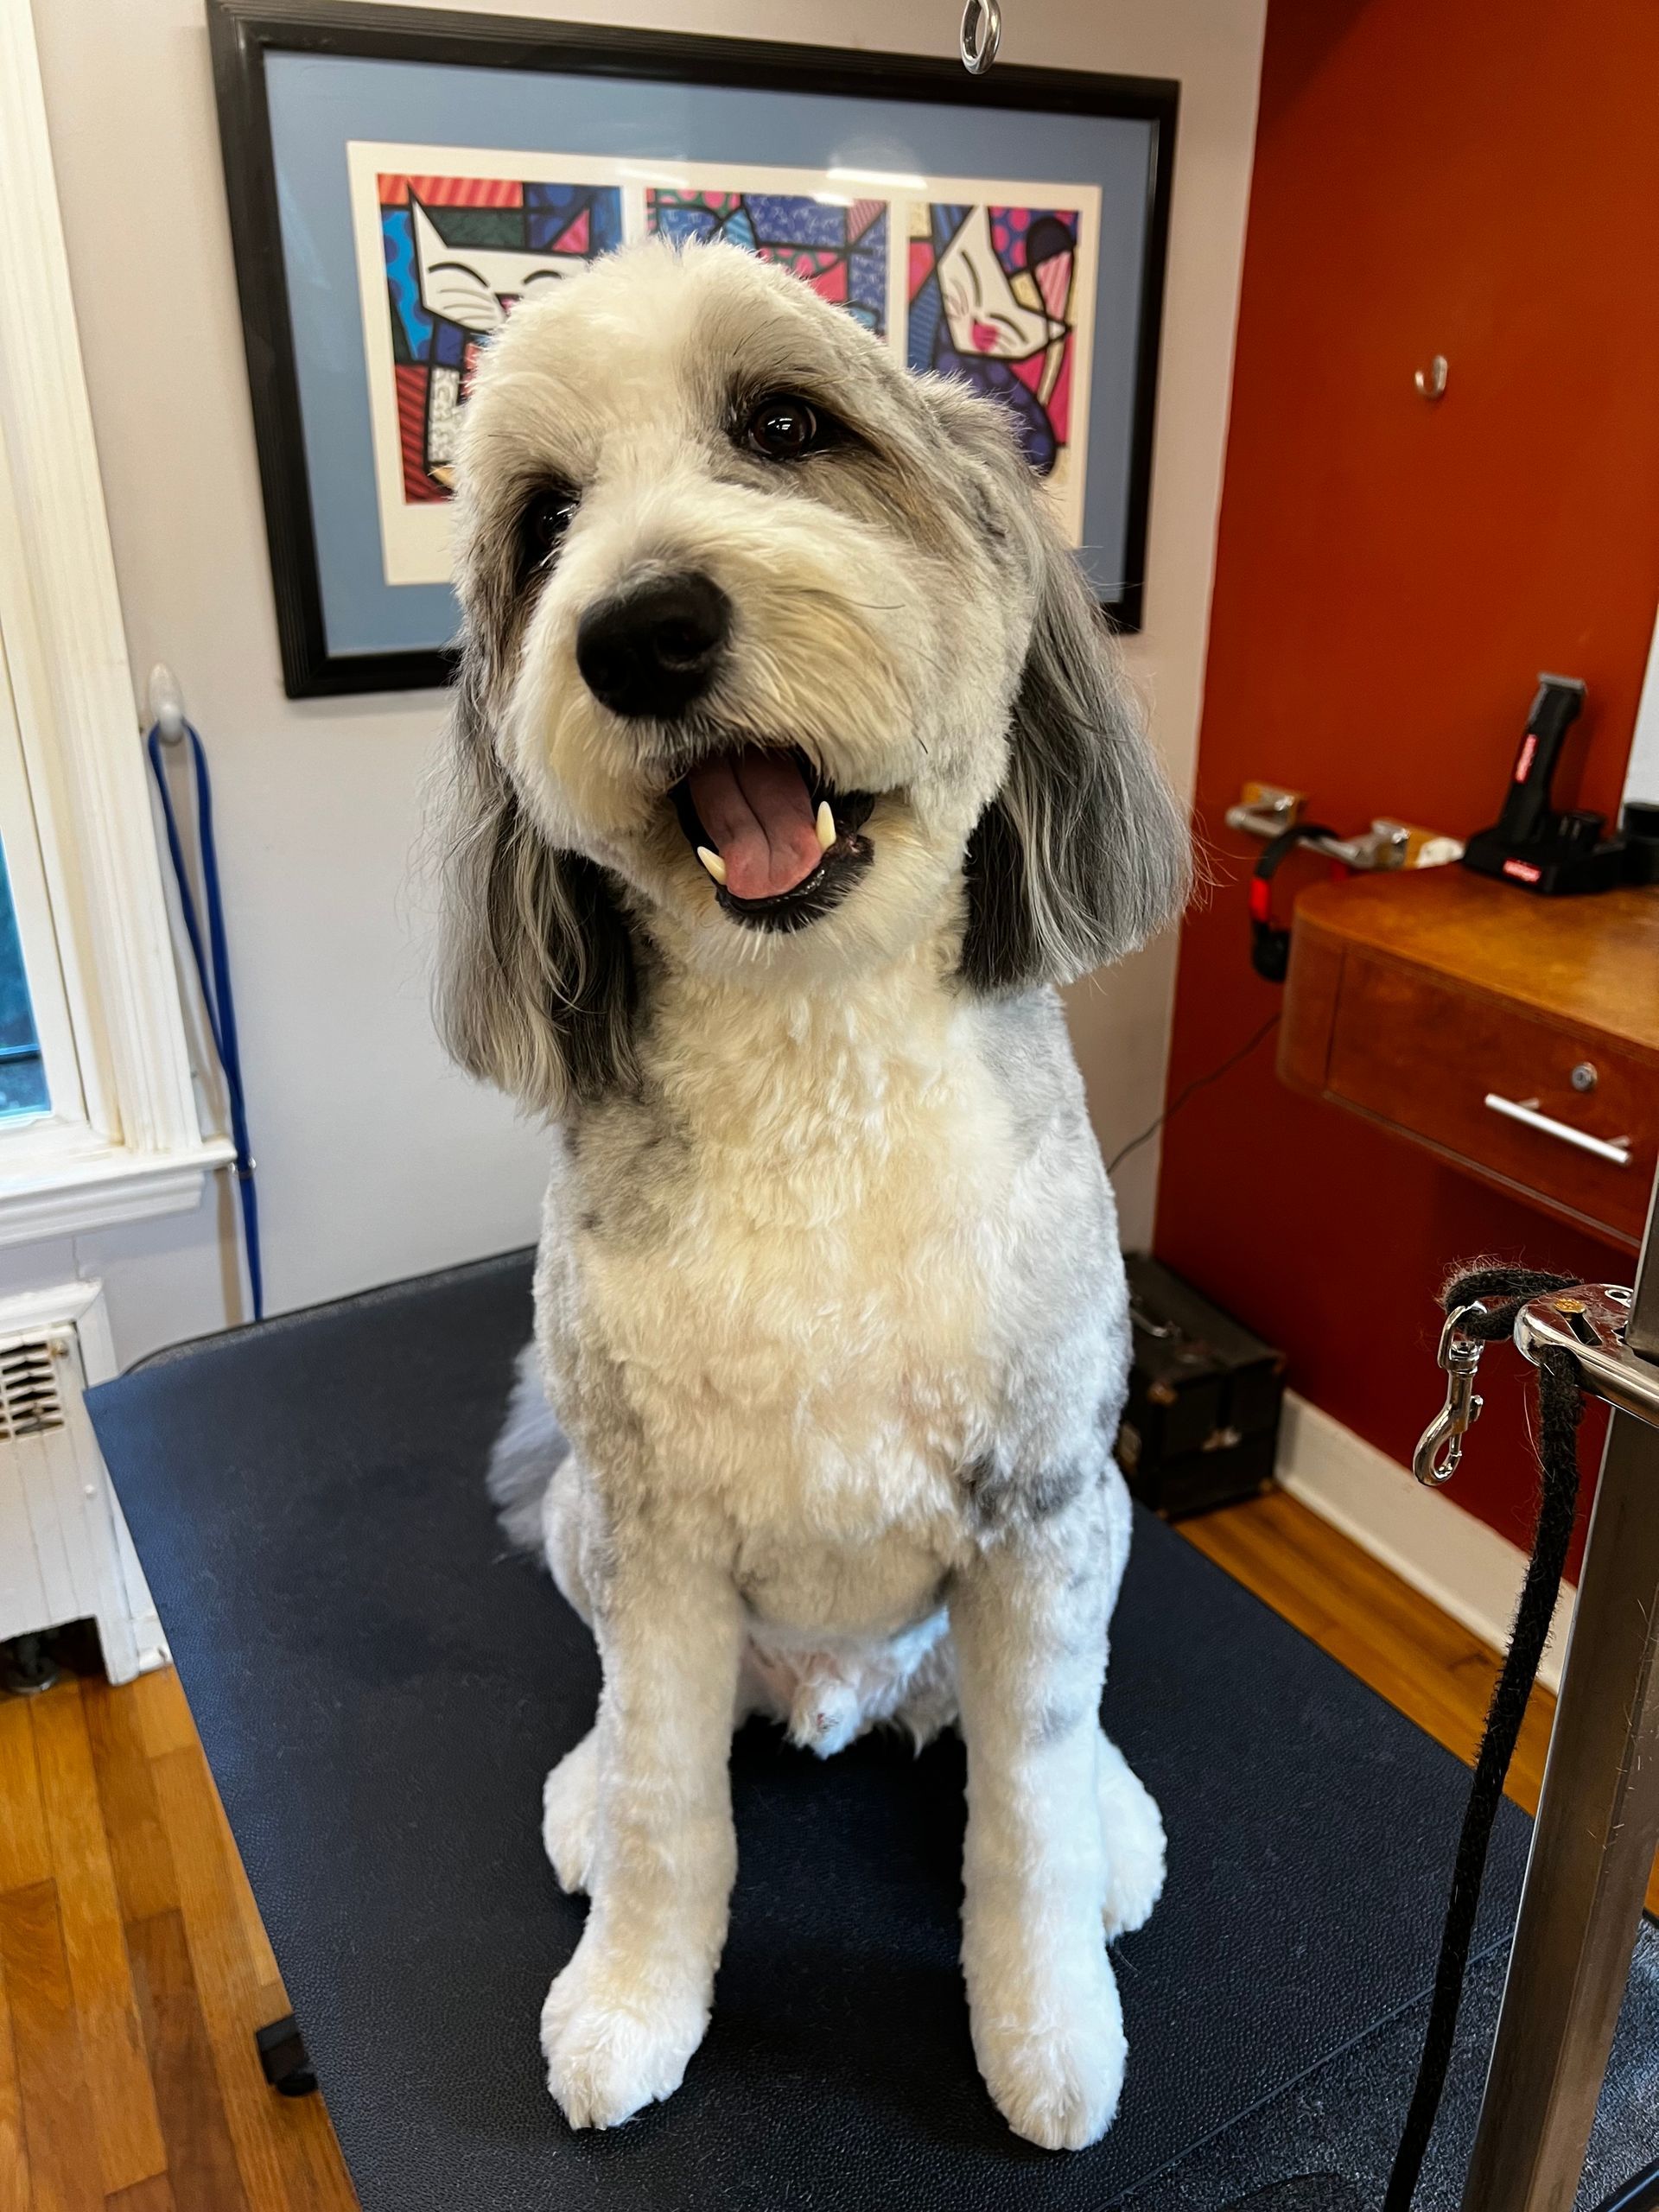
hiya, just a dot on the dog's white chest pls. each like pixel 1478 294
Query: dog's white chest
pixel 806 1324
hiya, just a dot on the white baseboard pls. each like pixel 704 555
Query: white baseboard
pixel 1465 1567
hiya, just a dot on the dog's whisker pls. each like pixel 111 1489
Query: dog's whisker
pixel 840 598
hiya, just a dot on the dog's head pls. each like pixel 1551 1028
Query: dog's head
pixel 774 664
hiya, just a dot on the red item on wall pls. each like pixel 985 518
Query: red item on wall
pixel 1429 178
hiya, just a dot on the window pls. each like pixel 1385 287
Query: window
pixel 27 1084
pixel 97 1117
pixel 22 1070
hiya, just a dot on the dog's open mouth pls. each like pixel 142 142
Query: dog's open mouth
pixel 781 846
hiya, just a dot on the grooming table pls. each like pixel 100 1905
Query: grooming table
pixel 381 1688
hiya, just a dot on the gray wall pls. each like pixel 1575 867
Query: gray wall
pixel 375 1160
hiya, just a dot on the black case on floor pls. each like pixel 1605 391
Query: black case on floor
pixel 1201 1425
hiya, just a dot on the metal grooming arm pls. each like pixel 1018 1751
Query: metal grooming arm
pixel 1597 1825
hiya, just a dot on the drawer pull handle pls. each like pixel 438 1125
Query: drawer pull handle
pixel 1526 1110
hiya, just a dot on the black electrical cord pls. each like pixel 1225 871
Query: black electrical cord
pixel 1560 1408
pixel 1186 1091
pixel 1639 2194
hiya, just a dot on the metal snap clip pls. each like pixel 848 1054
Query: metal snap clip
pixel 1440 1446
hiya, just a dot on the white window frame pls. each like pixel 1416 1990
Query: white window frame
pixel 123 1139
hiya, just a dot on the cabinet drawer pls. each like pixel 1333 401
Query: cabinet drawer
pixel 1424 1055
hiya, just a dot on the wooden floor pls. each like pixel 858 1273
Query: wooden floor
pixel 133 1973
pixel 134 1970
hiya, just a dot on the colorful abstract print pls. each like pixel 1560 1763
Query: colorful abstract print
pixel 841 251
pixel 460 251
pixel 991 295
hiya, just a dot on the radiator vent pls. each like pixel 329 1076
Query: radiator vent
pixel 30 1399
pixel 64 1552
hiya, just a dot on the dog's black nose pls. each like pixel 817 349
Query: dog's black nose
pixel 653 648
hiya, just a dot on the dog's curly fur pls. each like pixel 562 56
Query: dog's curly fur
pixel 829 1300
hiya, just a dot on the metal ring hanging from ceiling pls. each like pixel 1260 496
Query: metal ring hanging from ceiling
pixel 982 34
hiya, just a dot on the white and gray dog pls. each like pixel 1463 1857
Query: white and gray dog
pixel 791 771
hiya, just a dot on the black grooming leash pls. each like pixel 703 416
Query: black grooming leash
pixel 1473 1322
pixel 1560 1408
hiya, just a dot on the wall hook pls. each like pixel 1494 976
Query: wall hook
pixel 1431 381
pixel 982 34
pixel 165 702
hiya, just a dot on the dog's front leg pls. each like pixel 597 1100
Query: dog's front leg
pixel 1029 1620
pixel 625 2015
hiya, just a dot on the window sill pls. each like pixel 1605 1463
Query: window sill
pixel 63 1188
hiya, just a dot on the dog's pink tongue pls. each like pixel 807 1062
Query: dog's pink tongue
pixel 757 809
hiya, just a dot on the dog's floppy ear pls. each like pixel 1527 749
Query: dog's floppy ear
pixel 537 983
pixel 1083 854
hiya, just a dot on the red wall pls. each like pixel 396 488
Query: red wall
pixel 1431 175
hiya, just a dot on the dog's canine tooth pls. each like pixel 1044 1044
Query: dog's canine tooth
pixel 712 863
pixel 826 825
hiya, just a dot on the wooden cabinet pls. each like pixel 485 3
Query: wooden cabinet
pixel 1517 1037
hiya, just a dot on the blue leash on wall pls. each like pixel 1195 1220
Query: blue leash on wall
pixel 215 974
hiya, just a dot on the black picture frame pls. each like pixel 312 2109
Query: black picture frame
pixel 242 34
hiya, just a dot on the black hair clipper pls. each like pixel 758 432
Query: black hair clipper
pixel 1530 844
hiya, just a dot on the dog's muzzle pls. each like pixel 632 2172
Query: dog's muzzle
pixel 780 845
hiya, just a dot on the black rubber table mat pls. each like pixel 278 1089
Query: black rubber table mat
pixel 381 1690
pixel 1344 2118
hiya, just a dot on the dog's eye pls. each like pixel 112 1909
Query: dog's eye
pixel 783 427
pixel 546 517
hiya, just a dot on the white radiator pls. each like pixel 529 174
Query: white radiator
pixel 64 1552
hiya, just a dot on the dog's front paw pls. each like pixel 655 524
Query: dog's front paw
pixel 1133 1828
pixel 1054 2061
pixel 615 2043
pixel 570 1812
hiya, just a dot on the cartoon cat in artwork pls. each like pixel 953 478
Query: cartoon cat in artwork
pixel 475 285
pixel 474 288
pixel 996 317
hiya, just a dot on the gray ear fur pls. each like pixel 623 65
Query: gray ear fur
pixel 1083 854
pixel 538 980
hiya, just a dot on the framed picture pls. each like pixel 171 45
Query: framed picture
pixel 399 179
